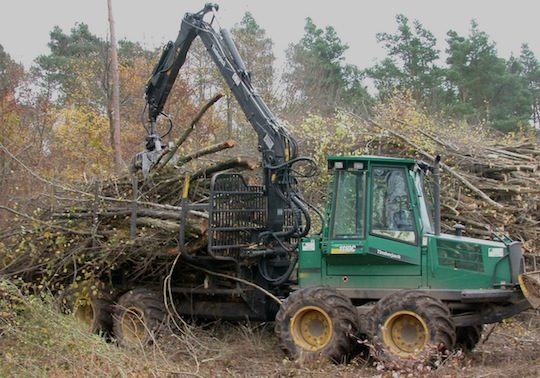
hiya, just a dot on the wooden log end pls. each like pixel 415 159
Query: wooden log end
pixel 229 143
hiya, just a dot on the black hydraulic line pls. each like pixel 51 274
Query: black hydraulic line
pixel 300 204
pixel 263 271
pixel 319 214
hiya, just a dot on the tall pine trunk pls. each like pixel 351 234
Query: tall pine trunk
pixel 115 97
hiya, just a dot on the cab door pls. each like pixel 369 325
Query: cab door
pixel 345 240
pixel 372 239
pixel 393 242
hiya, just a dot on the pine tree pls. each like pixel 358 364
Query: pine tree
pixel 317 78
pixel 530 71
pixel 255 47
pixel 485 87
pixel 411 63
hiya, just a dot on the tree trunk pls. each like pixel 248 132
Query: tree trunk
pixel 115 98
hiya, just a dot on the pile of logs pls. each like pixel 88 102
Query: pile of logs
pixel 490 183
pixel 131 224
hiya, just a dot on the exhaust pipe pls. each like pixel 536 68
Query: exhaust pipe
pixel 437 194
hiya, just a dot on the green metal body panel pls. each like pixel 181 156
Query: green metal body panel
pixel 366 257
pixel 374 159
pixel 310 262
pixel 462 263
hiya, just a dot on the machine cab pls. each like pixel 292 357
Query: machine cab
pixel 376 216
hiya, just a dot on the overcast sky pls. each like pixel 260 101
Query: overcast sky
pixel 25 24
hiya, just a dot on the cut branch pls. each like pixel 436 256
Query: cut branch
pixel 232 163
pixel 178 142
pixel 452 172
pixel 206 151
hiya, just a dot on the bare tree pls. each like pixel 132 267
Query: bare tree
pixel 115 98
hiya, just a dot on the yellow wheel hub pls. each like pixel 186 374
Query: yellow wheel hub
pixel 133 325
pixel 84 312
pixel 405 333
pixel 311 328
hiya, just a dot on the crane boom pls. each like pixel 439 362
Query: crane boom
pixel 277 147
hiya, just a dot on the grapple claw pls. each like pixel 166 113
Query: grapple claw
pixel 530 286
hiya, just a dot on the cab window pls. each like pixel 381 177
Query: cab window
pixel 391 213
pixel 348 216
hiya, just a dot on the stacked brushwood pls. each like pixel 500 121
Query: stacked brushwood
pixel 490 182
pixel 126 230
pixel 123 230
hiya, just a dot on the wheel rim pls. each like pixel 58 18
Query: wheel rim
pixel 133 325
pixel 311 328
pixel 84 312
pixel 405 333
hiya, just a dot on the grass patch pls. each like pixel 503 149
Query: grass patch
pixel 37 340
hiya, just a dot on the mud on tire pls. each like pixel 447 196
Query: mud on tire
pixel 139 317
pixel 317 323
pixel 410 326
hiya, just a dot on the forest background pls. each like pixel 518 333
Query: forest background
pixel 56 115
pixel 482 111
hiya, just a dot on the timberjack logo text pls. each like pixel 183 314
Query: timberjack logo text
pixel 388 254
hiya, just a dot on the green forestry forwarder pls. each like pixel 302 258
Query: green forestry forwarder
pixel 380 270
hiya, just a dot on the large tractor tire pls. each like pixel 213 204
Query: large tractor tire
pixel 468 337
pixel 317 323
pixel 96 314
pixel 139 317
pixel 410 325
pixel 93 311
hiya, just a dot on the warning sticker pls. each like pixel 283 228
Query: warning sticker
pixel 308 246
pixel 496 252
pixel 343 249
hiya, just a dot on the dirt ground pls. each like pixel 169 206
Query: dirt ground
pixel 509 349
pixel 46 343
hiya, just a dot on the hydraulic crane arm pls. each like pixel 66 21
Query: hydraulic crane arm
pixel 166 70
pixel 274 141
pixel 278 148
